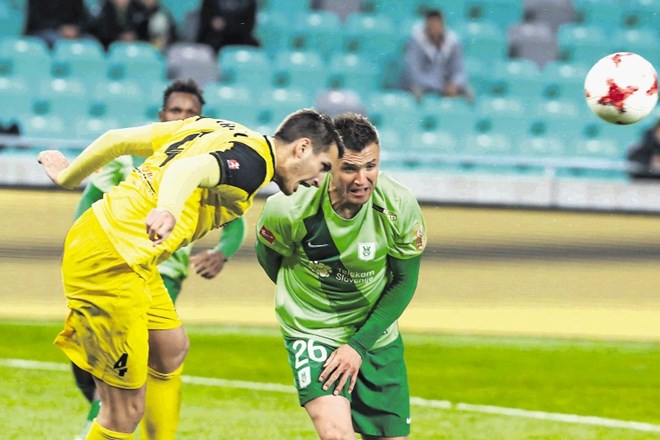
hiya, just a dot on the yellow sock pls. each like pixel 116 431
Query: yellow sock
pixel 163 401
pixel 98 432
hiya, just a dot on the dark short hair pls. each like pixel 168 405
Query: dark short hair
pixel 356 131
pixel 184 86
pixel 313 125
pixel 433 13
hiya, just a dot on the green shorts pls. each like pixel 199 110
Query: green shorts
pixel 380 402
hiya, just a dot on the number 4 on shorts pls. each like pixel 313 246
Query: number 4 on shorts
pixel 120 365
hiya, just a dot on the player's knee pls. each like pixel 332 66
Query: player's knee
pixel 335 432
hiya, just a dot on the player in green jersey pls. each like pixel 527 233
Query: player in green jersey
pixel 345 258
pixel 181 99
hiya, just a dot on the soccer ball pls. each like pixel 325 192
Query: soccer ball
pixel 621 88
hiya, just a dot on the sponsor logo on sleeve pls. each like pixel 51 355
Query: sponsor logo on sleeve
pixel 267 235
pixel 233 164
pixel 420 237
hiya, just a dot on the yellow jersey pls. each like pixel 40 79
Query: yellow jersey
pixel 246 163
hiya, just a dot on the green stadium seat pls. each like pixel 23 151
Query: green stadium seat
pixel 245 65
pixel 82 59
pixel 136 61
pixel 236 103
pixel 302 70
pixel 352 71
pixel 25 57
pixel 316 31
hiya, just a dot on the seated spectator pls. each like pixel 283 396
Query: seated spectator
pixel 227 22
pixel 158 26
pixel 644 155
pixel 52 20
pixel 118 20
pixel 433 60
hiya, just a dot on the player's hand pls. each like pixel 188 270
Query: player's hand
pixel 160 224
pixel 342 365
pixel 53 162
pixel 208 263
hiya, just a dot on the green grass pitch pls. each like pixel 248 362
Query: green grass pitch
pixel 237 386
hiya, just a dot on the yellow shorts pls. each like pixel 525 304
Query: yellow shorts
pixel 111 308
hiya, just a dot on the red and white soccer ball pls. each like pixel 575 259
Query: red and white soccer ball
pixel 621 88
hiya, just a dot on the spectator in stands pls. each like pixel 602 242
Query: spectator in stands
pixel 118 20
pixel 227 22
pixel 433 60
pixel 644 155
pixel 157 26
pixel 52 20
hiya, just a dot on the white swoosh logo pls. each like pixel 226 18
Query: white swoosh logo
pixel 311 245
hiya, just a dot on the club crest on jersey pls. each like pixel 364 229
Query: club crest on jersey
pixel 366 251
pixel 233 164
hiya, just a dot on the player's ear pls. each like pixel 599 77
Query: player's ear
pixel 302 145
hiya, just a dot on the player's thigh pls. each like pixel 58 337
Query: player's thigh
pixel 331 416
pixel 381 397
pixel 306 359
pixel 106 331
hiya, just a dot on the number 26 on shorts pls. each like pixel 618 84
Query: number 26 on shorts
pixel 306 350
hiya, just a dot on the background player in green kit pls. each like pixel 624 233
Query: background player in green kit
pixel 345 258
pixel 181 99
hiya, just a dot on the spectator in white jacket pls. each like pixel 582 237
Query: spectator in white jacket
pixel 433 60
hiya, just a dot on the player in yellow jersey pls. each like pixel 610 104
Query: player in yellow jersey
pixel 181 99
pixel 199 174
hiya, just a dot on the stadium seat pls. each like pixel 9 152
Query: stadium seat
pixel 502 13
pixel 393 9
pixel 192 60
pixel 341 8
pixel 435 148
pixel 136 61
pixel 489 149
pixel 64 97
pixel 374 37
pixel 335 102
pixel 554 13
pixel 395 110
pixel 564 80
pixel 483 39
pixel 351 71
pixel 518 78
pixel 236 103
pixel 582 43
pixel 245 65
pixel 15 98
pixel 25 57
pixel 642 41
pixel 121 100
pixel 83 59
pixel 640 14
pixel 304 70
pixel 41 126
pixel 533 41
pixel 89 128
pixel 179 8
pixel 437 112
pixel 11 20
pixel 317 31
pixel 272 30
pixel 277 103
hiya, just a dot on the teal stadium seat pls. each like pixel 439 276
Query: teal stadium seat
pixel 583 43
pixel 597 151
pixel 453 10
pixel 289 7
pixel 396 110
pixel 277 103
pixel 433 148
pixel 273 29
pixel 136 61
pixel 483 39
pixel 236 103
pixel 44 126
pixel 64 97
pixel 16 98
pixel 490 148
pixel 245 65
pixel 605 13
pixel 641 14
pixel 564 79
pixel 642 41
pixel 375 38
pixel 437 112
pixel 502 115
pixel 82 59
pixel 11 20
pixel 352 71
pixel 25 57
pixel 519 78
pixel 503 13
pixel 89 128
pixel 122 100
pixel 302 70
pixel 316 31
pixel 394 9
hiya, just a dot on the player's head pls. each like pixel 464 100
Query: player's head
pixel 311 147
pixel 354 178
pixel 181 99
pixel 434 25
